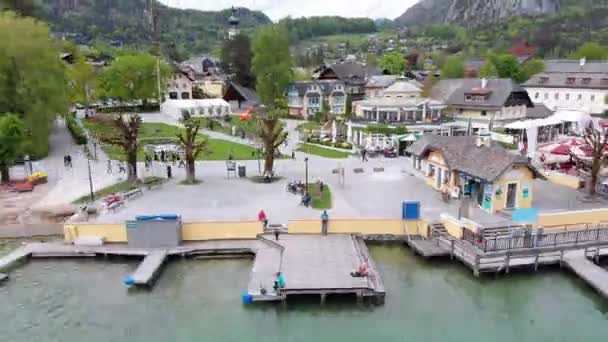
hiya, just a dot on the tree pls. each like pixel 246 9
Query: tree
pixel 129 78
pixel 191 143
pixel 371 60
pixel 236 59
pixel 427 86
pixel 507 66
pixel 12 136
pixel 302 74
pixel 453 67
pixel 32 78
pixel 82 83
pixel 272 68
pixel 591 51
pixel 133 77
pixel 533 67
pixel 598 140
pixel 393 62
pixel 348 109
pixel 125 136
pixel 26 8
pixel 488 70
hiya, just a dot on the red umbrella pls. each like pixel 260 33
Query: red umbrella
pixel 561 149
pixel 245 116
pixel 604 123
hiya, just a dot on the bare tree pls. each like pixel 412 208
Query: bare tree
pixel 125 136
pixel 270 129
pixel 192 146
pixel 598 141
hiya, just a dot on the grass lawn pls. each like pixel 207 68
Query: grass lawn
pixel 309 126
pixel 116 188
pixel 320 200
pixel 217 149
pixel 322 152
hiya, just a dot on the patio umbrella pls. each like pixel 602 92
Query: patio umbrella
pixel 470 127
pixel 334 131
pixel 349 131
pixel 561 150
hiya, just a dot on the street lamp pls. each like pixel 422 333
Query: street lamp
pixel 306 172
pixel 90 180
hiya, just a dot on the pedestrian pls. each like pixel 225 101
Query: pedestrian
pixel 276 234
pixel 262 218
pixel 321 186
pixel 162 156
pixel 69 160
pixel 293 154
pixel 364 154
pixel 109 170
pixel 181 161
pixel 121 167
pixel 65 160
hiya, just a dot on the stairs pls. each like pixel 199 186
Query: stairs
pixel 498 232
pixel 437 229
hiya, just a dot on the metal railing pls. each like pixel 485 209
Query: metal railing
pixel 528 240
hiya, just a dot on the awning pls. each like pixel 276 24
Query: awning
pixel 409 137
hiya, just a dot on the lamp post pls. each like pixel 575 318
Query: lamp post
pixel 306 172
pixel 90 180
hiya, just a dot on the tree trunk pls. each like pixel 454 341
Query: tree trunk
pixel 5 173
pixel 190 169
pixel 132 166
pixel 595 169
pixel 268 159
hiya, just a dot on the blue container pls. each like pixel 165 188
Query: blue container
pixel 410 211
pixel 128 280
pixel 247 298
pixel 161 217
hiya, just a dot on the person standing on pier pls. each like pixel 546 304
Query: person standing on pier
pixel 262 218
pixel 276 234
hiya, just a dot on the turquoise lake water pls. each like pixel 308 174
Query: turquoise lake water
pixel 199 300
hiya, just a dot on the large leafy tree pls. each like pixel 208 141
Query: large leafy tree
pixel 533 67
pixel 192 144
pixel 32 78
pixel 591 51
pixel 272 69
pixel 236 59
pixel 12 136
pixel 393 63
pixel 129 78
pixel 82 83
pixel 507 66
pixel 453 67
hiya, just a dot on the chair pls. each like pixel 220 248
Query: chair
pixel 230 167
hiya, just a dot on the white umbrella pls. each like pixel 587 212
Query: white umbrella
pixel 349 131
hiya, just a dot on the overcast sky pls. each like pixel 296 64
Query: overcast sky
pixel 277 9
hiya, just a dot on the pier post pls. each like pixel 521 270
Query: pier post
pixel 597 256
pixel 476 266
pixel 561 258
pixel 507 259
pixel 324 297
pixel 536 262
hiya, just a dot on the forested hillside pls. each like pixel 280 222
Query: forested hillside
pixel 306 28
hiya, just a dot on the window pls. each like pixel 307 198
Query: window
pixel 184 85
pixel 556 96
pixel 179 76
pixel 570 80
pixel 604 81
pixel 467 97
pixel 586 80
pixel 484 113
pixel 580 97
pixel 567 97
pixel 185 96
pixel 546 96
pixel 544 79
pixel 592 98
pixel 536 95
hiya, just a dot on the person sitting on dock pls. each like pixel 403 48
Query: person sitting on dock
pixel 362 271
pixel 306 199
pixel 279 282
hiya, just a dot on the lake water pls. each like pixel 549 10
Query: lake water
pixel 200 300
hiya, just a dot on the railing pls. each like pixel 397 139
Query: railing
pixel 541 240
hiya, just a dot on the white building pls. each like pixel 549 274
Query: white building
pixel 211 108
pixel 571 85
pixel 180 86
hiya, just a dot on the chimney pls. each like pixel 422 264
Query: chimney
pixel 484 82
pixel 583 61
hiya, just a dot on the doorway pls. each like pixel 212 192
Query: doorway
pixel 511 196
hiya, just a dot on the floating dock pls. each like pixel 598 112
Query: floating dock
pixel 427 248
pixel 149 269
pixel 314 265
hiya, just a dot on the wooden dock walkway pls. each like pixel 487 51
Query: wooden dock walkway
pixel 314 264
pixel 149 269
pixel 427 248
pixel 594 275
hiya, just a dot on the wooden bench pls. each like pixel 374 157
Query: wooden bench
pixel 156 183
pixel 132 194
pixel 358 170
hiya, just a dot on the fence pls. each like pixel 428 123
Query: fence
pixel 528 240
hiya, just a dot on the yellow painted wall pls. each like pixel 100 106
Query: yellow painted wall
pixel 564 180
pixel 499 201
pixel 559 220
pixel 221 230
pixel 393 227
pixel 110 232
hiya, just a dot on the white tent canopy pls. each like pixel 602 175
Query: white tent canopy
pixel 204 107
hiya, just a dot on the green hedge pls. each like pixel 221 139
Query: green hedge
pixel 383 129
pixel 129 109
pixel 76 130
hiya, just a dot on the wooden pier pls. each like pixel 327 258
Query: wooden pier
pixel 314 265
pixel 594 275
pixel 149 269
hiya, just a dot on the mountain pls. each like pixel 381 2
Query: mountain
pixel 125 22
pixel 474 12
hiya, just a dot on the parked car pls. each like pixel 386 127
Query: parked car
pixel 390 152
